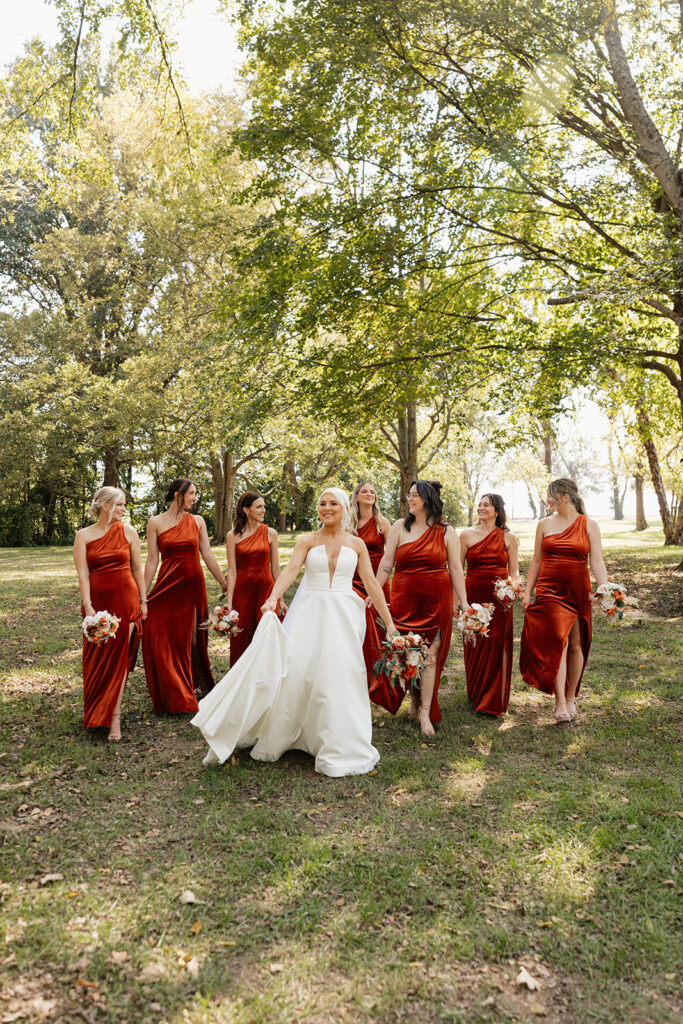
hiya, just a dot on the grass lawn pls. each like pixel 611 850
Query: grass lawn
pixel 419 893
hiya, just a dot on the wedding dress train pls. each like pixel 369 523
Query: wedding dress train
pixel 301 685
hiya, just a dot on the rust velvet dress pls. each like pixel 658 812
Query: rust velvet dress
pixel 254 584
pixel 374 542
pixel 177 604
pixel 563 591
pixel 112 589
pixel 421 602
pixel 488 663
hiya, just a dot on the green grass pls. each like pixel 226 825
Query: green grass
pixel 413 894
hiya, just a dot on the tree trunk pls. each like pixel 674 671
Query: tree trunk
pixel 112 477
pixel 532 504
pixel 547 445
pixel 282 524
pixel 673 530
pixel 641 521
pixel 223 473
pixel 617 500
pixel 407 447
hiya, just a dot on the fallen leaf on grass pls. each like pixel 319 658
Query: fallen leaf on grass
pixel 341 901
pixel 524 978
pixel 46 879
pixel 539 1009
pixel 187 896
pixel 276 968
pixel 119 956
pixel 151 973
pixel 199 800
pixel 193 966
pixel 83 983
pixel 196 927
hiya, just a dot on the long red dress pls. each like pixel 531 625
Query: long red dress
pixel 563 592
pixel 488 663
pixel 421 602
pixel 112 589
pixel 177 603
pixel 254 584
pixel 374 542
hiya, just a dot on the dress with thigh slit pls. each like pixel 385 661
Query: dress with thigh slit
pixel 374 542
pixel 254 584
pixel 421 602
pixel 112 589
pixel 488 663
pixel 563 591
pixel 175 650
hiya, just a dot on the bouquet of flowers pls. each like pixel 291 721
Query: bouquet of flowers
pixel 474 622
pixel 612 601
pixel 403 659
pixel 100 627
pixel 508 590
pixel 223 621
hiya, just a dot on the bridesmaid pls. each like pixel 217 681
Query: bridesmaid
pixel 490 551
pixel 556 637
pixel 253 567
pixel 372 528
pixel 109 567
pixel 428 581
pixel 175 651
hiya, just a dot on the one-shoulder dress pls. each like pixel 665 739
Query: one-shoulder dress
pixel 563 591
pixel 488 663
pixel 112 589
pixel 254 584
pixel 175 650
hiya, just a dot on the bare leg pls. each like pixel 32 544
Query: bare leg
pixel 115 727
pixel 574 667
pixel 414 704
pixel 197 665
pixel 427 687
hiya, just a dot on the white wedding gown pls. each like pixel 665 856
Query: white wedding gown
pixel 301 685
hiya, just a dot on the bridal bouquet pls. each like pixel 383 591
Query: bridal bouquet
pixel 403 659
pixel 223 621
pixel 474 622
pixel 612 601
pixel 508 590
pixel 100 627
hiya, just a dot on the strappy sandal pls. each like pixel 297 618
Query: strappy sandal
pixel 561 716
pixel 571 711
pixel 424 707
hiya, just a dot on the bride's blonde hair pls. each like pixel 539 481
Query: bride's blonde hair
pixel 343 499
pixel 102 497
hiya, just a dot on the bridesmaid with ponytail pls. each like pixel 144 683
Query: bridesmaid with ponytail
pixel 175 650
pixel 428 584
pixel 490 552
pixel 556 637
pixel 253 567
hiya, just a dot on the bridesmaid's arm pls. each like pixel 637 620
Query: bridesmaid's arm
pixel 463 549
pixel 389 557
pixel 386 527
pixel 81 563
pixel 289 573
pixel 152 554
pixel 534 567
pixel 136 566
pixel 230 545
pixel 275 560
pixel 374 591
pixel 208 555
pixel 595 553
pixel 512 544
pixel 455 568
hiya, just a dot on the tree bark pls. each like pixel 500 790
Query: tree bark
pixel 673 531
pixel 112 477
pixel 224 474
pixel 641 521
pixel 407 449
pixel 547 446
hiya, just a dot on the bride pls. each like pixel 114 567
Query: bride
pixel 303 685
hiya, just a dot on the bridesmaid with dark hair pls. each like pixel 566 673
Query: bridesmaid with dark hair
pixel 491 552
pixel 428 582
pixel 557 630
pixel 175 650
pixel 109 567
pixel 253 567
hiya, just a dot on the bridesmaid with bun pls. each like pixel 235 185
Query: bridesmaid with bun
pixel 253 567
pixel 175 650
pixel 428 583
pixel 556 637
pixel 109 567
pixel 491 552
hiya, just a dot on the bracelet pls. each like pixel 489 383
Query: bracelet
pixel 143 600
